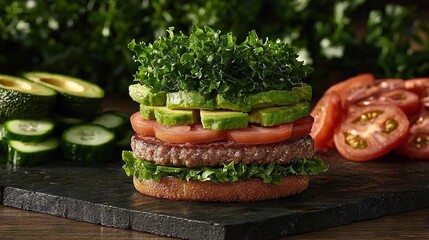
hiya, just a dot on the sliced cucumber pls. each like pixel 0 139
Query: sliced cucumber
pixel 76 97
pixel 20 98
pixel 114 121
pixel 88 142
pixel 62 123
pixel 30 153
pixel 28 130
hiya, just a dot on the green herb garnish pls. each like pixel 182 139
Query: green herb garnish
pixel 213 63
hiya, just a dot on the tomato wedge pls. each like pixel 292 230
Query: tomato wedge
pixel 187 134
pixel 302 126
pixel 407 101
pixel 260 135
pixel 344 88
pixel 327 115
pixel 370 132
pixel 417 143
pixel 141 125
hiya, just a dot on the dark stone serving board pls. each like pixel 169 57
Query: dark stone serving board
pixel 349 192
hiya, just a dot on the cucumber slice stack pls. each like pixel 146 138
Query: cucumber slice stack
pixel 29 142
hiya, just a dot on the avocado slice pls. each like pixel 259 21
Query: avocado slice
pixel 189 100
pixel 76 97
pixel 273 98
pixel 170 117
pixel 277 115
pixel 238 105
pixel 222 120
pixel 147 112
pixel 304 92
pixel 143 95
pixel 20 98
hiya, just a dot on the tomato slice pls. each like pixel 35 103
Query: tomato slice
pixel 302 127
pixel 187 134
pixel 379 86
pixel 260 135
pixel 407 101
pixel 370 132
pixel 344 88
pixel 417 143
pixel 327 115
pixel 141 125
pixel 420 86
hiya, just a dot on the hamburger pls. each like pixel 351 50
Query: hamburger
pixel 220 120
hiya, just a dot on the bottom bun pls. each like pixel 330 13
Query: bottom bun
pixel 242 191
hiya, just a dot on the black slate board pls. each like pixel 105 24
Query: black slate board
pixel 349 192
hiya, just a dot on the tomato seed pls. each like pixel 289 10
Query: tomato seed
pixel 390 125
pixel 421 140
pixel 367 117
pixel 355 141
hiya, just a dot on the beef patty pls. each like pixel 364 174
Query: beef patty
pixel 217 153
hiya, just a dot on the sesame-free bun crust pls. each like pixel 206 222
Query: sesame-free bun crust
pixel 242 191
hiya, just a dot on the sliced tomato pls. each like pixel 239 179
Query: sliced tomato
pixel 418 85
pixel 344 88
pixel 407 101
pixel 417 143
pixel 370 132
pixel 327 115
pixel 261 135
pixel 302 126
pixel 141 125
pixel 379 86
pixel 187 134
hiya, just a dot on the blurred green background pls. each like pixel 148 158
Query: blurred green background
pixel 88 38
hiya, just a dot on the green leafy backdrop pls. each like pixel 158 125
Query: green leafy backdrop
pixel 89 38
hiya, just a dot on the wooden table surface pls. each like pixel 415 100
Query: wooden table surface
pixel 25 225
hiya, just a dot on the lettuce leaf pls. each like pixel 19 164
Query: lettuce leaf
pixel 213 63
pixel 227 173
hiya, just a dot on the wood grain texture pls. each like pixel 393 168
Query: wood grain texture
pixel 25 225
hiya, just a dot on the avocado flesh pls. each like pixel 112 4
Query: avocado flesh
pixel 170 117
pixel 273 98
pixel 143 95
pixel 238 105
pixel 147 112
pixel 20 98
pixel 223 120
pixel 304 92
pixel 277 115
pixel 76 97
pixel 189 100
